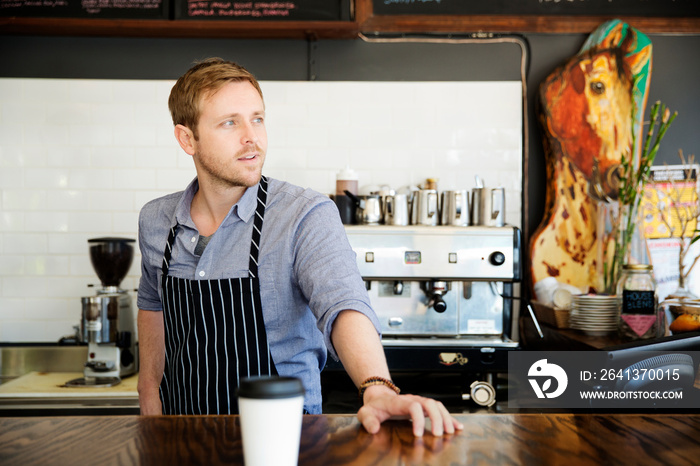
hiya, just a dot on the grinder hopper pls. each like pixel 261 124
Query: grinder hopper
pixel 111 259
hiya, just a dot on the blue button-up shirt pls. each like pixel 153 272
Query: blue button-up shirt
pixel 307 269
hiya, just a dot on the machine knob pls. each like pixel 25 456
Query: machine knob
pixel 497 258
pixel 439 304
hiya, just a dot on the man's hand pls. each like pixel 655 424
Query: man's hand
pixel 357 343
pixel 381 403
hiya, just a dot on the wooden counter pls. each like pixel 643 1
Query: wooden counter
pixel 339 439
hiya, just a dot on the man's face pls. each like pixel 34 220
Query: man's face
pixel 232 140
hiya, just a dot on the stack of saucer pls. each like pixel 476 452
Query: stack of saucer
pixel 595 315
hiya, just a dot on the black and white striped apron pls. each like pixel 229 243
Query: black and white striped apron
pixel 214 333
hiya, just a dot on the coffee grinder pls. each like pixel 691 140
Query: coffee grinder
pixel 107 323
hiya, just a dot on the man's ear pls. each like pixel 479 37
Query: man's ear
pixel 185 138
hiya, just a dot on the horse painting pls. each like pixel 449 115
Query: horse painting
pixel 589 109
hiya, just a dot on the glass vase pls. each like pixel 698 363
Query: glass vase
pixel 620 241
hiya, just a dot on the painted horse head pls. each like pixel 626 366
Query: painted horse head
pixel 590 107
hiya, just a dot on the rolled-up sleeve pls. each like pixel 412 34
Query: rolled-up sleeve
pixel 148 297
pixel 326 269
pixel 155 220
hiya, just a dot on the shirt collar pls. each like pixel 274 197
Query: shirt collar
pixel 243 209
pixel 246 205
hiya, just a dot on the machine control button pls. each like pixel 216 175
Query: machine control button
pixel 497 258
pixel 452 258
pixel 395 321
pixel 369 257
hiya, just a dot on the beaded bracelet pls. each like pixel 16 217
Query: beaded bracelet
pixel 377 381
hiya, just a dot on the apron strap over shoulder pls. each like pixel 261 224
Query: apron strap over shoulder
pixel 257 228
pixel 168 252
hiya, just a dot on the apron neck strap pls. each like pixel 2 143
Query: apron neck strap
pixel 257 228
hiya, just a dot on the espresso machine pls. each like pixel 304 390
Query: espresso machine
pixel 444 297
pixel 107 324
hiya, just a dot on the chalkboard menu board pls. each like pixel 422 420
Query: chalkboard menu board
pixel 117 9
pixel 649 8
pixel 295 10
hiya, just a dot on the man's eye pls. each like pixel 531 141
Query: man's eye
pixel 228 123
pixel 258 120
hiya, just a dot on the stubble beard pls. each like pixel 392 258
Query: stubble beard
pixel 222 175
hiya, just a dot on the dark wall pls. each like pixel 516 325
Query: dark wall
pixel 142 58
pixel 676 69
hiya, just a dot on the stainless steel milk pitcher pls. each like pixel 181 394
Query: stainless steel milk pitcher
pixel 488 207
pixel 455 208
pixel 396 209
pixel 424 210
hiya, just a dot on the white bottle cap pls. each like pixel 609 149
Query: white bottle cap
pixel 346 174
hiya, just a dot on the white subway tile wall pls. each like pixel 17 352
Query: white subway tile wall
pixel 79 158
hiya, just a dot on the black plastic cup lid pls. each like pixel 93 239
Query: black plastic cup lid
pixel 270 387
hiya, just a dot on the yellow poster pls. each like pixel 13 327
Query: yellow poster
pixel 670 204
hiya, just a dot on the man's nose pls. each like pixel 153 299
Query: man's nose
pixel 249 134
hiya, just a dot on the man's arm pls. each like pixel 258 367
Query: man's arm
pixel 151 332
pixel 360 350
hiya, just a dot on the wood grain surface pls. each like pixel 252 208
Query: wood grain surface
pixel 339 440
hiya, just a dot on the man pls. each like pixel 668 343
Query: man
pixel 222 298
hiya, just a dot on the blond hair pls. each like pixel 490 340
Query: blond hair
pixel 203 79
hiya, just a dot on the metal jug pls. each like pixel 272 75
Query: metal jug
pixel 454 208
pixel 396 209
pixel 368 209
pixel 488 207
pixel 424 210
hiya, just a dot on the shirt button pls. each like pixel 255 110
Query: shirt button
pixel 201 273
pixel 193 239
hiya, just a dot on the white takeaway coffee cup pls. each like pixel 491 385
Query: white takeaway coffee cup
pixel 271 410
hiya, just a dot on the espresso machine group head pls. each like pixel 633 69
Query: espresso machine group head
pixel 107 323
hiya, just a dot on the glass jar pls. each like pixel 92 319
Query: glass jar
pixel 640 316
pixel 673 308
